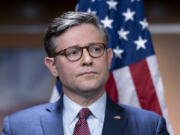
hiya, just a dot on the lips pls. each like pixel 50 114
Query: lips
pixel 87 73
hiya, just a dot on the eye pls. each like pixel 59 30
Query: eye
pixel 96 48
pixel 72 52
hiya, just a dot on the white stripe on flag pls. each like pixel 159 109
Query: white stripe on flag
pixel 157 81
pixel 126 90
pixel 55 95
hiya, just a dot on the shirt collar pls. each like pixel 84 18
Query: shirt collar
pixel 71 109
pixel 98 108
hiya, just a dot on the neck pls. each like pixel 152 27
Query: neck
pixel 84 98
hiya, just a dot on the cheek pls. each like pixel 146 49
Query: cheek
pixel 65 71
pixel 103 66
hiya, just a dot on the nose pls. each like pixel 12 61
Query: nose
pixel 86 59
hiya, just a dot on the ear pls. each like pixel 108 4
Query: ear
pixel 110 56
pixel 50 63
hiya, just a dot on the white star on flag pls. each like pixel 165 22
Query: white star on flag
pixel 93 0
pixel 144 24
pixel 112 4
pixel 123 34
pixel 140 43
pixel 118 52
pixel 107 22
pixel 90 11
pixel 128 14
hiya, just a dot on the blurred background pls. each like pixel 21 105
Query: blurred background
pixel 24 79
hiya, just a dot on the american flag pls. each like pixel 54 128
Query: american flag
pixel 134 76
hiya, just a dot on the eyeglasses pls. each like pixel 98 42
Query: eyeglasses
pixel 75 53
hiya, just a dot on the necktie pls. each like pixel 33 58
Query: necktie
pixel 81 127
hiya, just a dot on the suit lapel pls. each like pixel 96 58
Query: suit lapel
pixel 115 122
pixel 51 120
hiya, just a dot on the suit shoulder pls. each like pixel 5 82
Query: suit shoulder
pixel 138 112
pixel 32 112
pixel 142 119
pixel 27 121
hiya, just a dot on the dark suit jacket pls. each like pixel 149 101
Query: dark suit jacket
pixel 119 120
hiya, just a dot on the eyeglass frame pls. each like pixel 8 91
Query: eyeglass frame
pixel 63 52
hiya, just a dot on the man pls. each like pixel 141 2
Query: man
pixel 78 56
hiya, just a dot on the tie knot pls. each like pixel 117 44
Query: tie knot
pixel 84 113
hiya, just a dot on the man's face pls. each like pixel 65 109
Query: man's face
pixel 87 74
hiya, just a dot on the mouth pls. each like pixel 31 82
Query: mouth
pixel 87 73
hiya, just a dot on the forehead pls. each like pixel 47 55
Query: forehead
pixel 79 35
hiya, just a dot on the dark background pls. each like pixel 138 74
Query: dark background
pixel 41 12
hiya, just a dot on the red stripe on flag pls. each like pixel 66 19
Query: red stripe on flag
pixel 144 86
pixel 111 89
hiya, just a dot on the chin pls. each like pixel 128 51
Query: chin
pixel 91 87
pixel 89 93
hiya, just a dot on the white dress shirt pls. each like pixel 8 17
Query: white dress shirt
pixel 95 120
